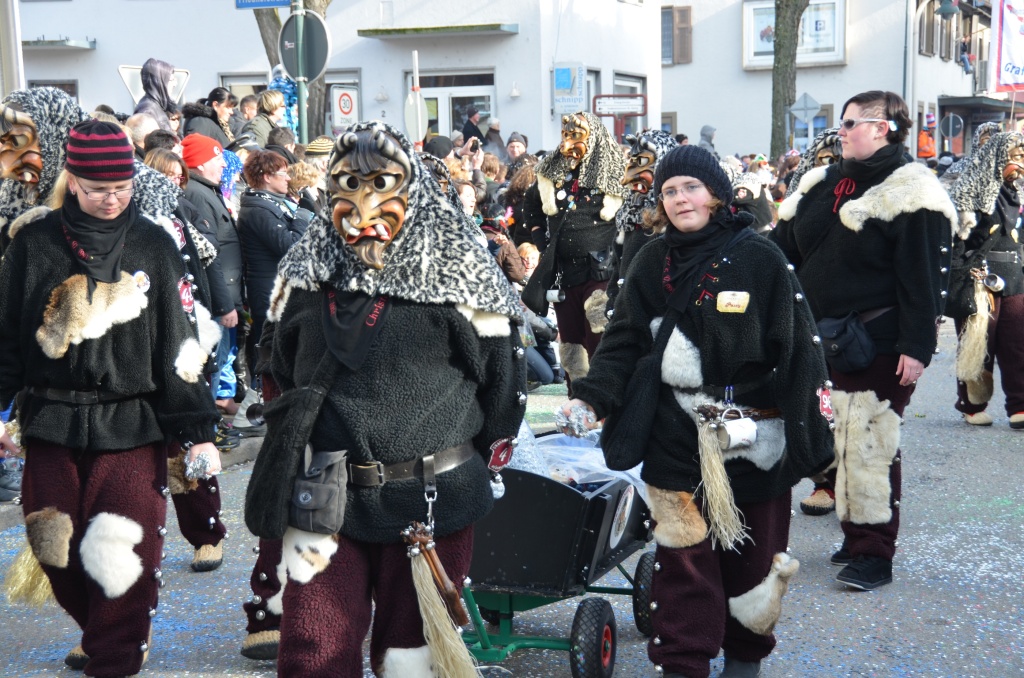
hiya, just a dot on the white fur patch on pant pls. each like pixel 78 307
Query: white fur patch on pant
pixel 414 662
pixel 107 552
pixel 867 437
pixel 275 603
pixel 49 534
pixel 307 554
pixel 759 608
pixel 191 359
pixel 679 522
pixel 594 308
pixel 575 360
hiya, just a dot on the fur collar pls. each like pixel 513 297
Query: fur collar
pixel 601 168
pixel 199 110
pixel 434 259
pixel 910 188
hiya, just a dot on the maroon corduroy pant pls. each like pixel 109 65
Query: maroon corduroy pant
pixel 692 587
pixel 196 509
pixel 82 484
pixel 326 619
pixel 573 326
pixel 264 584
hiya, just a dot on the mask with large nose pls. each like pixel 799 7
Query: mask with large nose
pixel 575 137
pixel 369 185
pixel 20 156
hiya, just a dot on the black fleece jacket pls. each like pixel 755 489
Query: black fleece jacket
pixel 430 382
pixel 136 357
pixel 900 260
pixel 775 332
pixel 1002 227
pixel 206 198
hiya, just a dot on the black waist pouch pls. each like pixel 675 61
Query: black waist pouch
pixel 602 264
pixel 848 346
pixel 320 492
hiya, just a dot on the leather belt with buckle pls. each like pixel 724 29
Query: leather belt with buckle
pixel 77 397
pixel 376 473
pixel 1004 257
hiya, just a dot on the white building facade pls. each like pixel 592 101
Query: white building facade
pixel 498 56
pixel 717 64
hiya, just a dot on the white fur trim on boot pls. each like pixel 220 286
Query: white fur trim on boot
pixel 759 608
pixel 107 553
pixel 415 662
pixel 307 554
pixel 979 419
pixel 867 437
pixel 575 360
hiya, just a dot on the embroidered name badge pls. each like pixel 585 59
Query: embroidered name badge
pixel 141 280
pixel 733 302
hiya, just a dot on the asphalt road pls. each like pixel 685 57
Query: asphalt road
pixel 956 607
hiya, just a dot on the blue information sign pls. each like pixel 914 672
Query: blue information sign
pixel 260 4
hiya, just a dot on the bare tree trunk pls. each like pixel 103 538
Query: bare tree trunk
pixel 269 22
pixel 787 26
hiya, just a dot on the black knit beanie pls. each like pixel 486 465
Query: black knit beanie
pixel 693 161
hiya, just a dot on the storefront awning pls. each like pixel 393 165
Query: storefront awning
pixel 978 102
pixel 61 44
pixel 474 30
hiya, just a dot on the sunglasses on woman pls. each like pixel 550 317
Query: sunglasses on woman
pixel 850 123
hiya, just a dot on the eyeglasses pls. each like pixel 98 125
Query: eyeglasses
pixel 672 193
pixel 281 173
pixel 176 178
pixel 99 196
pixel 850 123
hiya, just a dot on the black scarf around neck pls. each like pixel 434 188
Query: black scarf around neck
pixel 96 244
pixel 689 251
pixel 874 169
pixel 352 321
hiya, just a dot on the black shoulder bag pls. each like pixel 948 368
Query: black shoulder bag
pixel 269 505
pixel 535 293
pixel 626 433
pixel 960 303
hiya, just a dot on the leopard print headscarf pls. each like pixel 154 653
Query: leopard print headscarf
pixel 977 187
pixel 601 168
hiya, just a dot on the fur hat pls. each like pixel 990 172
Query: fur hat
pixel 694 161
pixel 197 149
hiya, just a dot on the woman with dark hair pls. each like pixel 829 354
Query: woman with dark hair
pixel 268 225
pixel 210 116
pixel 93 335
pixel 710 332
pixel 870 239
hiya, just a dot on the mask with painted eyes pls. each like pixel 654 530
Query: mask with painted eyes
pixel 575 137
pixel 20 155
pixel 639 176
pixel 825 156
pixel 1014 168
pixel 369 187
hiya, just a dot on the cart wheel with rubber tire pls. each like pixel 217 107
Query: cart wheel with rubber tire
pixel 492 617
pixel 643 579
pixel 593 640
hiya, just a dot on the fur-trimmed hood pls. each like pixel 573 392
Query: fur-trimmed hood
pixel 910 188
pixel 601 168
pixel 434 258
pixel 197 109
pixel 824 139
pixel 631 214
pixel 54 113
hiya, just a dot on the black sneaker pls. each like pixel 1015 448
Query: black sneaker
pixel 842 557
pixel 10 478
pixel 866 573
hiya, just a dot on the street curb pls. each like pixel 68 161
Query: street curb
pixel 248 448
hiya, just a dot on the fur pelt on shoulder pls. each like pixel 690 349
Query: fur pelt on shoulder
pixel 910 188
pixel 54 113
pixel 601 168
pixel 434 258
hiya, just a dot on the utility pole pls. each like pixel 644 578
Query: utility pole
pixel 300 76
pixel 12 64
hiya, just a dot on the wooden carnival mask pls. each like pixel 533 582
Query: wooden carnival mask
pixel 826 156
pixel 20 156
pixel 1014 168
pixel 639 176
pixel 369 187
pixel 575 137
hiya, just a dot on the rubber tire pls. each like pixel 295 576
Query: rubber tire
pixel 593 641
pixel 492 617
pixel 643 580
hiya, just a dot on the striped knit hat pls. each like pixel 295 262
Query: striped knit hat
pixel 100 151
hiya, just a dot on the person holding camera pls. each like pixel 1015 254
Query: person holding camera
pixel 570 212
pixel 707 374
pixel 870 238
pixel 987 294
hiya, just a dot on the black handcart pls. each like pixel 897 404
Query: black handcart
pixel 544 542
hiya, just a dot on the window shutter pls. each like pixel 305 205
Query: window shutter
pixel 683 46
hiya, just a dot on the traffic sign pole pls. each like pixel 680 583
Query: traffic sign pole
pixel 300 76
pixel 418 142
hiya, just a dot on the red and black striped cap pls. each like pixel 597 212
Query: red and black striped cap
pixel 100 151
